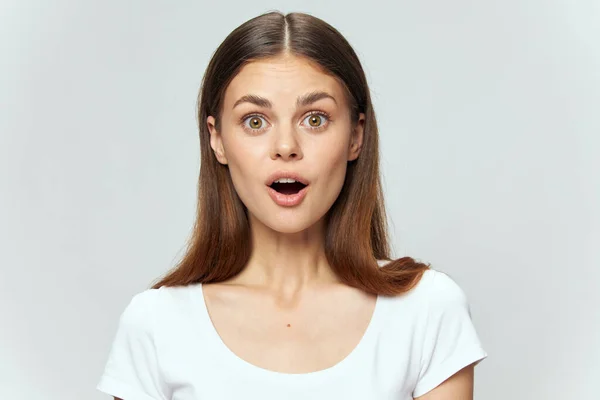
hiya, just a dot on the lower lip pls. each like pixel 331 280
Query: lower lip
pixel 287 200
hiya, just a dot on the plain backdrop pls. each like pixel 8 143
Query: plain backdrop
pixel 489 116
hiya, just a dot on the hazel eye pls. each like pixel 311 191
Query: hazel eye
pixel 316 120
pixel 254 122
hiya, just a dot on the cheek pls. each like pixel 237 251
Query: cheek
pixel 239 150
pixel 332 164
pixel 332 155
pixel 244 160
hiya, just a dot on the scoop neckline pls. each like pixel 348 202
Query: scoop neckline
pixel 232 360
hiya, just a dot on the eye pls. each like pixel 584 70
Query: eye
pixel 316 120
pixel 254 122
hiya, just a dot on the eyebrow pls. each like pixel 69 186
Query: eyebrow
pixel 302 101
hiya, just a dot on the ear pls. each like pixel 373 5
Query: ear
pixel 216 141
pixel 357 138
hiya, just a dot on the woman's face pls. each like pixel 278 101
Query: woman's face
pixel 284 114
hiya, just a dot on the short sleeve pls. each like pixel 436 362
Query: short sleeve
pixel 451 342
pixel 131 372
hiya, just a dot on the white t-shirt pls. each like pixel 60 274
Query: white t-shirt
pixel 166 348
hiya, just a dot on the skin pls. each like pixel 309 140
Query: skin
pixel 287 311
pixel 287 280
pixel 288 251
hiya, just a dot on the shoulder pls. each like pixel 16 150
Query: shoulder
pixel 439 302
pixel 153 310
pixel 442 289
pixel 440 294
pixel 436 291
pixel 140 309
pixel 449 339
pixel 435 284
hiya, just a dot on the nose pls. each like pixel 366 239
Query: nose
pixel 286 144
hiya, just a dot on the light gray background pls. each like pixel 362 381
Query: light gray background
pixel 489 121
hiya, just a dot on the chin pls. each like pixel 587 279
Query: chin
pixel 291 227
pixel 287 222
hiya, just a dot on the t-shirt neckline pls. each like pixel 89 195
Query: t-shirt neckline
pixel 233 361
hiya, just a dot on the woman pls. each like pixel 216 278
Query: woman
pixel 287 290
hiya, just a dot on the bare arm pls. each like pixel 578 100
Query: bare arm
pixel 458 387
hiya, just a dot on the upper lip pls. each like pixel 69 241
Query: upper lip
pixel 285 174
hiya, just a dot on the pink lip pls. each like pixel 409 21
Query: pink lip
pixel 287 200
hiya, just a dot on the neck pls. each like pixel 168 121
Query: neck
pixel 286 262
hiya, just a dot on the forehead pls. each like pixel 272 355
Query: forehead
pixel 280 78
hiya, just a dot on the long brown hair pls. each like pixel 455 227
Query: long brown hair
pixel 356 225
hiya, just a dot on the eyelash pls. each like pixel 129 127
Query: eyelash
pixel 245 118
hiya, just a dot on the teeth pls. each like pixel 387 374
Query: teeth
pixel 284 180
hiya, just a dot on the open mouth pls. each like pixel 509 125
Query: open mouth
pixel 288 188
